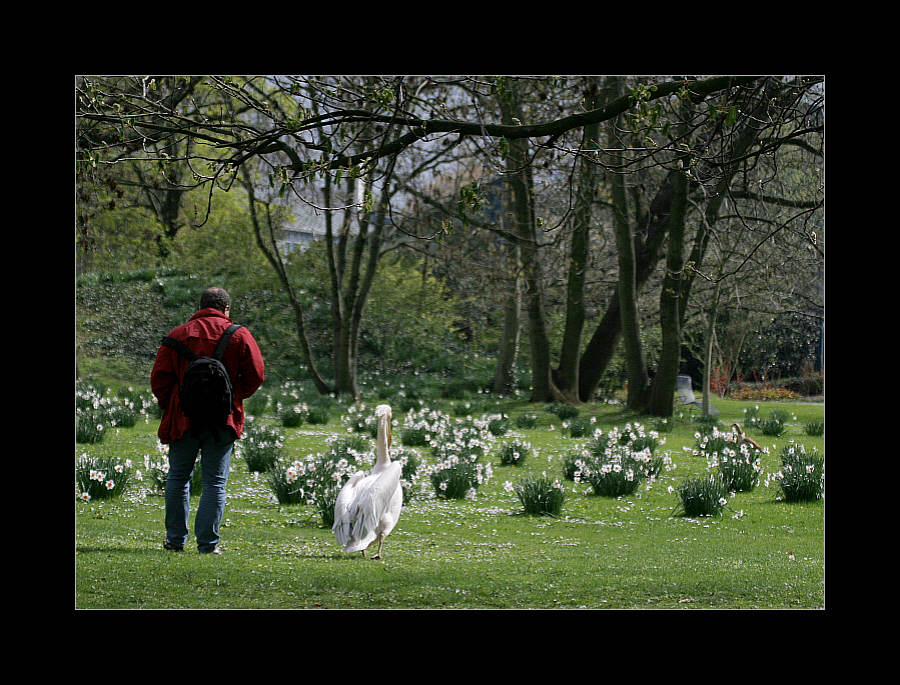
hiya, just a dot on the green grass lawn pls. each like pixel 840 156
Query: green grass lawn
pixel 628 552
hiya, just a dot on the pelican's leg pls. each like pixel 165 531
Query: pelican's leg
pixel 380 543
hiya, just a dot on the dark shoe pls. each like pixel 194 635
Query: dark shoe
pixel 169 546
pixel 214 550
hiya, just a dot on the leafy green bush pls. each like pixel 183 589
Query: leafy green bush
pixel 257 404
pixel 414 437
pixel 318 414
pixel 739 464
pixel 293 416
pixel 577 427
pixel 615 463
pixel 89 426
pixel 563 411
pixel 515 452
pixel 410 476
pixel 703 496
pixel 773 425
pixel 815 427
pixel 318 479
pixel 101 477
pixel 456 478
pixel 526 421
pixel 706 423
pixel 261 445
pixel 498 425
pixel 802 475
pixel 538 495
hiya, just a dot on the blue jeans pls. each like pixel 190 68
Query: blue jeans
pixel 215 457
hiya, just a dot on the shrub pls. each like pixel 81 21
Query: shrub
pixel 706 423
pixel 815 427
pixel 464 438
pixel 498 425
pixel 286 480
pixel 358 419
pixel 514 453
pixel 257 404
pixel 802 475
pixel 102 477
pixel 414 437
pixel 577 427
pixel 526 421
pixel 751 416
pixel 539 496
pixel 411 474
pixel 617 462
pixel 318 479
pixel 703 496
pixel 773 425
pixel 89 426
pixel 456 478
pixel 294 415
pixel 751 393
pixel 571 462
pixel 261 445
pixel 563 411
pixel 739 464
pixel 318 414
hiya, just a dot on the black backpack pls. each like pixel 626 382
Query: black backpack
pixel 205 392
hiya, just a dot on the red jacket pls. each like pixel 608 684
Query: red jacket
pixel 201 332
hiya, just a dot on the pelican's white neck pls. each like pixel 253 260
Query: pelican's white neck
pixel 383 441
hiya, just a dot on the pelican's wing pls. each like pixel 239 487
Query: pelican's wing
pixel 342 520
pixel 374 500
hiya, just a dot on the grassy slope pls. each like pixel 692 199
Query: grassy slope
pixel 605 553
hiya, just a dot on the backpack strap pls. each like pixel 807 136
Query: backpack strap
pixel 223 341
pixel 179 346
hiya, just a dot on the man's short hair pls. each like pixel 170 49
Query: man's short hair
pixel 217 298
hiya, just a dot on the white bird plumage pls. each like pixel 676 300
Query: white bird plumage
pixel 368 506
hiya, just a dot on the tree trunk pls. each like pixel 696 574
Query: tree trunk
pixel 710 336
pixel 566 376
pixel 504 382
pixel 519 175
pixel 627 284
pixel 662 390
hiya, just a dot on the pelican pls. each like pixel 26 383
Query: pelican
pixel 368 506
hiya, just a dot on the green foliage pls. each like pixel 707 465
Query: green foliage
pixel 498 426
pixel 526 421
pixel 816 427
pixel 514 452
pixel 613 466
pixel 733 562
pixel 102 477
pixel 563 411
pixel 261 445
pixel 802 474
pixel 540 496
pixel 703 496
pixel 577 427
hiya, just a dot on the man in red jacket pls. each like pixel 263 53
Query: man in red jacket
pixel 246 369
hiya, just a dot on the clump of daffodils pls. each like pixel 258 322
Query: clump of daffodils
pixel 617 462
pixel 514 452
pixel 802 474
pixel 539 495
pixel 738 462
pixel 102 477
